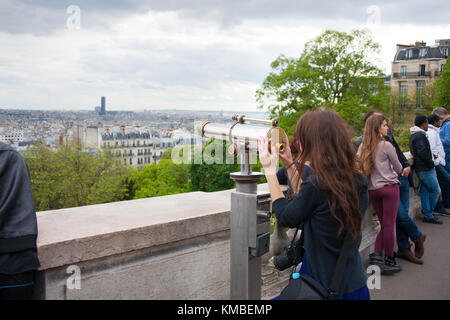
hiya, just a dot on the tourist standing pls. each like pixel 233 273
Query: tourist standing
pixel 424 165
pixel 379 161
pixel 405 227
pixel 330 203
pixel 444 133
pixel 443 207
pixel 18 227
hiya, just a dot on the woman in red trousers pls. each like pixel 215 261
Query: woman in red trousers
pixel 379 162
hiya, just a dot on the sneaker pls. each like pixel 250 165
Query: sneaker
pixel 433 220
pixel 390 263
pixel 377 259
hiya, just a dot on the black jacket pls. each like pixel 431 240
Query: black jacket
pixel 310 208
pixel 419 147
pixel 401 157
pixel 18 224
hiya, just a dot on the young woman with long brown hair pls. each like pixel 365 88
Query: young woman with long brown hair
pixel 379 161
pixel 329 203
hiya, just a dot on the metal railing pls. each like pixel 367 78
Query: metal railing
pixel 411 75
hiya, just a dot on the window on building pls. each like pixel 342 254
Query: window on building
pixel 422 70
pixel 422 52
pixel 131 161
pixel 403 93
pixel 409 54
pixel 444 51
pixel 403 71
pixel 420 94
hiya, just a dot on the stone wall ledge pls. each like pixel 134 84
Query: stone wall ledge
pixel 71 235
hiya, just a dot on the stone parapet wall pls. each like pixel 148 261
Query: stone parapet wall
pixel 170 247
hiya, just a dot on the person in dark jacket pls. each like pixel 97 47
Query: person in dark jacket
pixel 18 227
pixel 329 204
pixel 429 190
pixel 406 228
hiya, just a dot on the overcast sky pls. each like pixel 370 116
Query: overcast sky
pixel 179 54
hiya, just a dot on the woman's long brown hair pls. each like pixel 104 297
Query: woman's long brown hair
pixel 324 140
pixel 371 140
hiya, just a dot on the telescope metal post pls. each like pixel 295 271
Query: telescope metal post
pixel 245 266
pixel 250 218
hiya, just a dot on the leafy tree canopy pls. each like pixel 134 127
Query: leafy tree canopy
pixel 336 70
pixel 70 177
pixel 442 89
pixel 162 179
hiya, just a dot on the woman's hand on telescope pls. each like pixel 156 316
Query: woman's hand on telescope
pixel 268 159
pixel 286 155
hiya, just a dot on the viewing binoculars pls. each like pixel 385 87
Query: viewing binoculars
pixel 244 132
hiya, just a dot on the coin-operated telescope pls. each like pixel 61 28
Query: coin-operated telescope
pixel 242 136
pixel 250 211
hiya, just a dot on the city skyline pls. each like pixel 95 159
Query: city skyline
pixel 196 55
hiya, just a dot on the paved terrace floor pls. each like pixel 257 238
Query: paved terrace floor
pixel 422 282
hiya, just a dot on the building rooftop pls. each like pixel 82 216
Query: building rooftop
pixel 420 50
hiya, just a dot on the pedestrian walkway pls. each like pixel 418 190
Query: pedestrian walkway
pixel 422 282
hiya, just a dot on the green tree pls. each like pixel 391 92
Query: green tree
pixel 167 154
pixel 162 179
pixel 213 173
pixel 442 89
pixel 70 177
pixel 336 70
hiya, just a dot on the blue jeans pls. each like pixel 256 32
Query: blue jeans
pixel 447 161
pixel 405 226
pixel 444 182
pixel 429 191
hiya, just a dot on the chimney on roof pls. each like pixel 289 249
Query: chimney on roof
pixel 442 42
pixel 420 43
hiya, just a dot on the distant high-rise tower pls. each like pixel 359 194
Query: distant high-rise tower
pixel 103 106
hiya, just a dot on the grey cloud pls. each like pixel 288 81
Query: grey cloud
pixel 47 16
pixel 191 67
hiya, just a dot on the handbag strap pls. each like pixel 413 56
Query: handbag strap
pixel 334 289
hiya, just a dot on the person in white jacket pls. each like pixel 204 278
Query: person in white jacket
pixel 437 149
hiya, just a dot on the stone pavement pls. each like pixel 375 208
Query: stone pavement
pixel 422 282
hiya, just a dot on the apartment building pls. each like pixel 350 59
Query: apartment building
pixel 133 147
pixel 11 135
pixel 415 67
